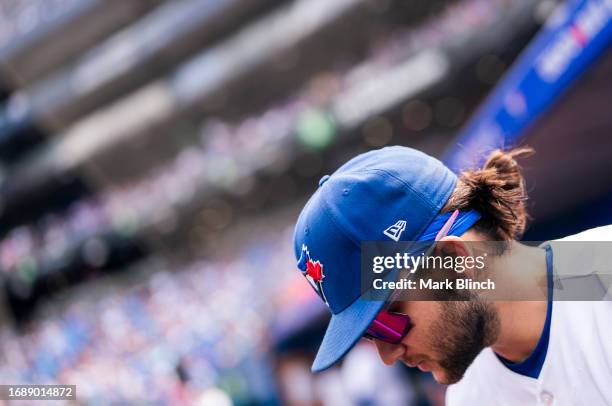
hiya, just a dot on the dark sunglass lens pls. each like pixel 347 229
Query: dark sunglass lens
pixel 389 327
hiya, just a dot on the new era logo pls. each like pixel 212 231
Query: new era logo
pixel 395 231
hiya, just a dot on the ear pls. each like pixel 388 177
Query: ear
pixel 452 245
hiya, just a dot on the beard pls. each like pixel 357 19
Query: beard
pixel 463 330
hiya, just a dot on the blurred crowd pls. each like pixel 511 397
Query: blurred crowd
pixel 19 17
pixel 166 340
pixel 231 153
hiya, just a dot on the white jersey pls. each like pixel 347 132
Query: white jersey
pixel 578 365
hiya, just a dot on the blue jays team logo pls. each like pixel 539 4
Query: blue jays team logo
pixel 313 271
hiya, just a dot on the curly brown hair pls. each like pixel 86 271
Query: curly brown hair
pixel 497 192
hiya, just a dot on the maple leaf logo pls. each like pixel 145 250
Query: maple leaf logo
pixel 313 271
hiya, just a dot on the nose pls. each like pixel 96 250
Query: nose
pixel 389 353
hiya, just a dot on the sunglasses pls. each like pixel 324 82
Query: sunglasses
pixel 390 326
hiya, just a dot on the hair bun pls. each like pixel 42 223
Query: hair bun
pixel 498 192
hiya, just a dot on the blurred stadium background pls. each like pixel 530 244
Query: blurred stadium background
pixel 154 156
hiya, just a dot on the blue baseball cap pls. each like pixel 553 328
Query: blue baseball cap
pixel 393 193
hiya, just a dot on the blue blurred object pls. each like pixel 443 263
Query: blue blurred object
pixel 575 35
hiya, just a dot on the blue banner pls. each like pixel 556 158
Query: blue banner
pixel 570 41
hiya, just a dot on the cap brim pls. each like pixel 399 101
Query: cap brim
pixel 346 328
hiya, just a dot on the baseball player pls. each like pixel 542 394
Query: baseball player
pixel 489 352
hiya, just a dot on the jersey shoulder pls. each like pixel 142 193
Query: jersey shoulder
pixel 487 382
pixel 603 233
pixel 582 264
